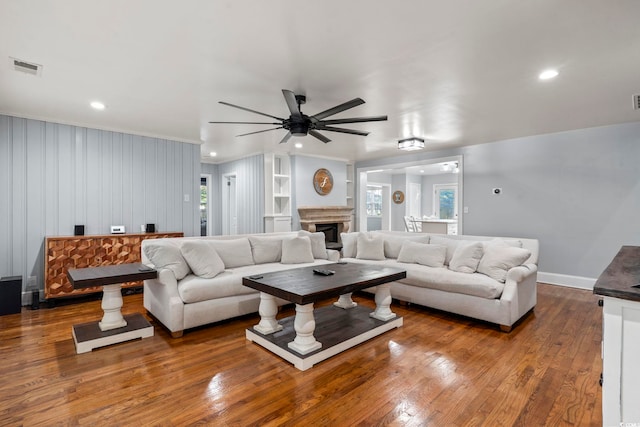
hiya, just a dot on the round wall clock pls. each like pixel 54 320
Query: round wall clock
pixel 398 197
pixel 322 182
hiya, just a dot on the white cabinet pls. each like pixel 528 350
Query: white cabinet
pixel 620 362
pixel 277 192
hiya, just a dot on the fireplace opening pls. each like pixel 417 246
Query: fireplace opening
pixel 331 236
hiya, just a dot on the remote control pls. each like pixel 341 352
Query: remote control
pixel 323 272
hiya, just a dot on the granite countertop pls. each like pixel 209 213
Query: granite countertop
pixel 618 279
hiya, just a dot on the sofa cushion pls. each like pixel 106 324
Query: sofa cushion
pixel 422 253
pixel 318 243
pixel 235 252
pixel 499 259
pixel 393 244
pixel 195 289
pixel 167 255
pixel 466 257
pixel 296 250
pixel 266 248
pixel 349 244
pixel 451 245
pixel 370 247
pixel 202 258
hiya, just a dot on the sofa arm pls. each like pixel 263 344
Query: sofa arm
pixel 333 255
pixel 162 300
pixel 520 273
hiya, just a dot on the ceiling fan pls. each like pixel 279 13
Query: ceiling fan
pixel 299 124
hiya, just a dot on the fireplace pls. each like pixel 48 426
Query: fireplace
pixel 331 235
pixel 331 220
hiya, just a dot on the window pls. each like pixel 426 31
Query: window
pixel 445 204
pixel 374 201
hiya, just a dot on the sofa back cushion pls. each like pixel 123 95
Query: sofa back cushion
pixel 296 250
pixel 167 255
pixel 318 243
pixel 266 248
pixel 234 253
pixel 422 253
pixel 450 244
pixel 466 257
pixel 499 259
pixel 393 243
pixel 202 258
pixel 370 247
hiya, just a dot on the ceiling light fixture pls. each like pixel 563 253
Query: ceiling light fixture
pixel 548 74
pixel 410 144
pixel 97 105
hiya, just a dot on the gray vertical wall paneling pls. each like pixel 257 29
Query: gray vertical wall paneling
pixel 5 196
pixel 54 176
pixel 18 201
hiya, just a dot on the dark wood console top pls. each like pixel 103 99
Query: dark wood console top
pixel 109 275
pixel 618 279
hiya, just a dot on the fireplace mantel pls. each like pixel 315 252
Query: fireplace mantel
pixel 312 215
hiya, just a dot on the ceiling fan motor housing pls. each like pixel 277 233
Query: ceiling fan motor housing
pixel 299 127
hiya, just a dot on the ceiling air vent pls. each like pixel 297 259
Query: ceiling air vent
pixel 636 102
pixel 26 67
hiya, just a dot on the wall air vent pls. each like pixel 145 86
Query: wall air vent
pixel 26 67
pixel 636 102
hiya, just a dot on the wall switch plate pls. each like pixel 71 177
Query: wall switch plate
pixel 186 197
pixel 466 209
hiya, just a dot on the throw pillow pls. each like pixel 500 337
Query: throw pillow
pixel 498 260
pixel 296 250
pixel 349 244
pixel 422 253
pixel 235 252
pixel 266 248
pixel 466 258
pixel 202 258
pixel 371 248
pixel 167 255
pixel 393 244
pixel 451 245
pixel 318 245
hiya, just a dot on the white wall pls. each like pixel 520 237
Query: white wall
pixel 55 176
pixel 578 192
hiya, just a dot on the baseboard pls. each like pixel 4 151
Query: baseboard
pixel 26 297
pixel 566 280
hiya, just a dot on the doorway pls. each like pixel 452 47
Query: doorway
pixel 229 205
pixel 205 206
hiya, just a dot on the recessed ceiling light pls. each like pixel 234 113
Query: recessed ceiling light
pixel 213 154
pixel 298 144
pixel 548 74
pixel 97 105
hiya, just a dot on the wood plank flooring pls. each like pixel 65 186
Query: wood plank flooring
pixel 436 370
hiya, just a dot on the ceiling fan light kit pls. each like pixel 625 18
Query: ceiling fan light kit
pixel 299 124
pixel 410 144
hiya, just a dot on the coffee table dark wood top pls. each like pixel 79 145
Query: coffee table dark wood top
pixel 303 286
pixel 109 275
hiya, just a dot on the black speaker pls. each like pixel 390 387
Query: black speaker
pixel 78 230
pixel 151 228
pixel 10 295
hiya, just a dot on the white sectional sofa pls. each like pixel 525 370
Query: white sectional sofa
pixel 200 278
pixel 487 278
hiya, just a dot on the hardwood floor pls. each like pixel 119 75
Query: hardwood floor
pixel 438 370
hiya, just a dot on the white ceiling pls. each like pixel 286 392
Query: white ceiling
pixel 456 72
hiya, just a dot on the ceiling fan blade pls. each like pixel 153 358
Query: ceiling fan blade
pixel 250 110
pixel 260 131
pixel 320 136
pixel 292 103
pixel 286 138
pixel 337 109
pixel 353 120
pixel 342 130
pixel 246 123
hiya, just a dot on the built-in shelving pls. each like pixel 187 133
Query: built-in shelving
pixel 277 170
pixel 350 182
